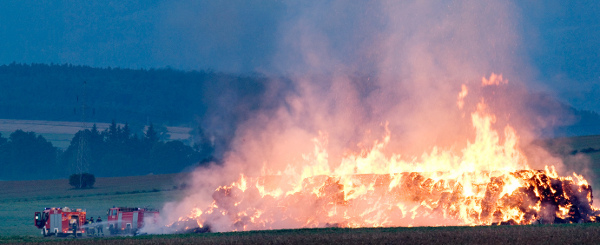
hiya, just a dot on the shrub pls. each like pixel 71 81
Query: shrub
pixel 82 181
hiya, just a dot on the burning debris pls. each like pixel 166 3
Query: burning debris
pixel 541 198
pixel 489 182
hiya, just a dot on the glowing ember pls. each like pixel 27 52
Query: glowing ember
pixel 488 182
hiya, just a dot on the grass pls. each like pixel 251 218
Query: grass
pixel 546 234
pixel 20 199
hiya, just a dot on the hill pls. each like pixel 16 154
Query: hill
pixel 580 153
pixel 57 92
pixel 211 103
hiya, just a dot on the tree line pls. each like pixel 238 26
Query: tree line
pixel 115 151
pixel 213 102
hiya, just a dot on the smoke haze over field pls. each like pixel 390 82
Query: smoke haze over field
pixel 361 71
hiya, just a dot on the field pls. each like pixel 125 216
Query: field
pixel 60 133
pixel 20 199
pixel 546 234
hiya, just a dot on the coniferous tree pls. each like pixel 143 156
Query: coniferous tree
pixel 151 136
pixel 2 140
pixel 125 133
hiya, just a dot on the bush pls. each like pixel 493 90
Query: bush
pixel 82 181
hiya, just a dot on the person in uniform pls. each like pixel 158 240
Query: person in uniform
pixel 99 226
pixel 91 226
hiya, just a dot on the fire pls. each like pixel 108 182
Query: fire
pixel 493 80
pixel 461 96
pixel 488 182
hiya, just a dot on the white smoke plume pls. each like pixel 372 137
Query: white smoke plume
pixel 360 69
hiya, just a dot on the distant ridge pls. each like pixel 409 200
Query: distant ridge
pixel 211 102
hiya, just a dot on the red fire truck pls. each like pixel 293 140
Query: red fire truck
pixel 125 220
pixel 60 221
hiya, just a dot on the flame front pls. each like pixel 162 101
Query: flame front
pixel 487 182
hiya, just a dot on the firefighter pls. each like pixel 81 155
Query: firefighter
pixel 73 225
pixel 91 226
pixel 99 226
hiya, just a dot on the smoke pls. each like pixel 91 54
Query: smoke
pixel 362 69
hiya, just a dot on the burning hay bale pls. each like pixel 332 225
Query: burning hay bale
pixel 488 182
pixel 399 199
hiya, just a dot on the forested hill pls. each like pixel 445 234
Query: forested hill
pixel 56 92
pixel 213 101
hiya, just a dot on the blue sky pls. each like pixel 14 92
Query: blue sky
pixel 558 41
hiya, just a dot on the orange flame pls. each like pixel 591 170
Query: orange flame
pixel 489 182
pixel 493 80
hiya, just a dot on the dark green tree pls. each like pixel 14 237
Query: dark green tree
pixel 82 181
pixel 125 133
pixel 117 152
pixel 172 157
pixel 93 148
pixel 4 154
pixel 30 156
pixel 2 140
pixel 151 136
pixel 113 132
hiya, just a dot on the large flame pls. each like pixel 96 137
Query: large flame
pixel 487 182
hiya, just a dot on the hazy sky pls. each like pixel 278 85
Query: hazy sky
pixel 559 40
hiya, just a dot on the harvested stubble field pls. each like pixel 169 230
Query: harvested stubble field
pixel 541 234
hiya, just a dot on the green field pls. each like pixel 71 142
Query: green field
pixel 20 199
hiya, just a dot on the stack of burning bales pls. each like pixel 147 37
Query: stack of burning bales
pixel 326 201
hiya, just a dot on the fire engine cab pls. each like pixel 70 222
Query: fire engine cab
pixel 60 221
pixel 125 220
